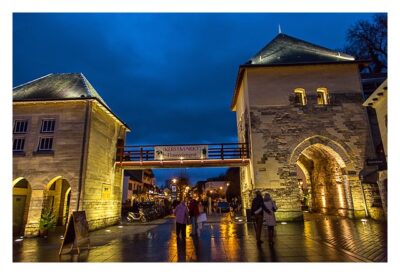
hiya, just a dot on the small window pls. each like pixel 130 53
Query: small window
pixel 18 144
pixel 48 126
pixel 20 126
pixel 130 186
pixel 45 143
pixel 322 96
pixel 300 96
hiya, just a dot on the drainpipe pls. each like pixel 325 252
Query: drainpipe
pixel 83 152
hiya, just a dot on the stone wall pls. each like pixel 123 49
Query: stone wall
pixel 40 169
pixel 278 130
pixel 102 192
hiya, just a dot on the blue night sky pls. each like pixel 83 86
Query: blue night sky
pixel 170 77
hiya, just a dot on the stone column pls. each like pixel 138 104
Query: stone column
pixel 35 211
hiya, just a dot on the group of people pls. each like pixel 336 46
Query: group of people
pixel 264 210
pixel 193 214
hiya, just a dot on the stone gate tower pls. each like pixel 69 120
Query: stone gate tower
pixel 299 106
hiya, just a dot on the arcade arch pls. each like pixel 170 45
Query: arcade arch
pixel 22 192
pixel 56 197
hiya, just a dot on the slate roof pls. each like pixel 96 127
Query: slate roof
pixel 56 86
pixel 284 49
pixel 60 86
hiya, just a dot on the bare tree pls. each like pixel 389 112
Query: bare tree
pixel 368 40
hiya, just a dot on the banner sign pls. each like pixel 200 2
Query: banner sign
pixel 180 152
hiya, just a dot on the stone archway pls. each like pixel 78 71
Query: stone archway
pixel 57 198
pixel 22 192
pixel 325 164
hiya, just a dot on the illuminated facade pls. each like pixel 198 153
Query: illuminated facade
pixel 378 101
pixel 299 106
pixel 64 149
pixel 139 186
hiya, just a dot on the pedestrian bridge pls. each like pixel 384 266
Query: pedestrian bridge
pixel 183 155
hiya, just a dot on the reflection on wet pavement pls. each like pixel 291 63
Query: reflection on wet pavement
pixel 222 240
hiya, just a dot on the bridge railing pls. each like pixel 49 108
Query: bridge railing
pixel 215 151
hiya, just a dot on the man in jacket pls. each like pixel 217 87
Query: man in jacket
pixel 257 209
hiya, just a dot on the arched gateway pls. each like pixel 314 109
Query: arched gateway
pixel 322 167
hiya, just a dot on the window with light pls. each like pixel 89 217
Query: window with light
pixel 300 96
pixel 322 96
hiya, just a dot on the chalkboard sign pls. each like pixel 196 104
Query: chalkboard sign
pixel 76 232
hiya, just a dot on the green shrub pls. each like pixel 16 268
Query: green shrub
pixel 47 220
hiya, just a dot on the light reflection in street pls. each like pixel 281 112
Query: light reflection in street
pixel 224 241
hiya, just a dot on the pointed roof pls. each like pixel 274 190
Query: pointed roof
pixel 57 86
pixel 285 49
pixel 60 86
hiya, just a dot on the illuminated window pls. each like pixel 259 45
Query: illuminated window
pixel 322 96
pixel 20 126
pixel 300 96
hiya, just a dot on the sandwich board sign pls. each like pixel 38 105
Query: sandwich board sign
pixel 76 233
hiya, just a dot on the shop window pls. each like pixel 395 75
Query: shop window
pixel 300 96
pixel 322 96
pixel 20 126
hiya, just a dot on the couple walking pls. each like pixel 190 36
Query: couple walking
pixel 264 212
pixel 196 214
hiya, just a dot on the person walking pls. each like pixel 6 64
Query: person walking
pixel 201 218
pixel 257 209
pixel 181 215
pixel 193 213
pixel 269 217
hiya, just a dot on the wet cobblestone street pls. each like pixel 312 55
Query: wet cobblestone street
pixel 320 239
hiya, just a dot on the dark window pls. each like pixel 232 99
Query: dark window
pixel 20 126
pixel 130 186
pixel 45 143
pixel 48 126
pixel 18 144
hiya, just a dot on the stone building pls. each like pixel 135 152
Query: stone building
pixel 299 107
pixel 378 102
pixel 64 149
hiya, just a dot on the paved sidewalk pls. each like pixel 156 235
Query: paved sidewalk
pixel 224 239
